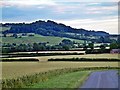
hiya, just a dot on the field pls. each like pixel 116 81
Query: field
pixel 4 28
pixel 18 69
pixel 36 39
pixel 21 71
pixel 45 58
pixel 81 56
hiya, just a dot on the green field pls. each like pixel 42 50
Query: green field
pixel 36 39
pixel 4 28
pixel 64 80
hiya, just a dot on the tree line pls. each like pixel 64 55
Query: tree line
pixel 65 44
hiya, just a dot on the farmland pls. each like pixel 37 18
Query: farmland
pixel 45 58
pixel 36 39
pixel 18 69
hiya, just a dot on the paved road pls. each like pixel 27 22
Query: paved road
pixel 102 79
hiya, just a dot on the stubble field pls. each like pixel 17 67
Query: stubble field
pixel 18 69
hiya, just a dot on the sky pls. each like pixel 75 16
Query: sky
pixel 98 15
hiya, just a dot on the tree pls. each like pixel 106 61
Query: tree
pixel 15 35
pixel 113 45
pixel 67 41
pixel 102 48
pixel 4 35
pixel 91 45
pixel 66 47
pixel 35 46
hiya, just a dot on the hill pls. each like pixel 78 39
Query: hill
pixel 51 28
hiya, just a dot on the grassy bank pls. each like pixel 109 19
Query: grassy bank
pixel 69 80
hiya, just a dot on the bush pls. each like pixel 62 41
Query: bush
pixel 19 60
pixel 83 59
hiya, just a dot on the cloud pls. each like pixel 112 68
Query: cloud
pixel 26 3
pixel 94 1
pixel 76 13
pixel 109 24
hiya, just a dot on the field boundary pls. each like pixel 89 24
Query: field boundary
pixel 83 59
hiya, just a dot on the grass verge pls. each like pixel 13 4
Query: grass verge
pixel 69 80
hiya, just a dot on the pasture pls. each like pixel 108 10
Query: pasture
pixel 36 39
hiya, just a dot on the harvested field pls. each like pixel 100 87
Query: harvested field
pixel 17 69
pixel 45 58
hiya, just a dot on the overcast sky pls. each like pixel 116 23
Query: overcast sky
pixel 99 15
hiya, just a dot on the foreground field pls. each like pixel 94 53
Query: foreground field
pixel 18 69
pixel 64 80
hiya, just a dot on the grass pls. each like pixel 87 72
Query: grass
pixel 36 39
pixel 18 69
pixel 4 28
pixel 29 80
pixel 69 80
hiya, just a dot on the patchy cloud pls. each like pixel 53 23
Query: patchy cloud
pixel 76 13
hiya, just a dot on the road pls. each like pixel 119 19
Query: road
pixel 102 79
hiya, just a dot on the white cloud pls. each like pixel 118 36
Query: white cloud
pixel 26 3
pixel 109 24
pixel 89 1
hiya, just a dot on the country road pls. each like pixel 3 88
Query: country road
pixel 102 79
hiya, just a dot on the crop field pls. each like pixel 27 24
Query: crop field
pixel 45 58
pixel 36 39
pixel 116 56
pixel 18 69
